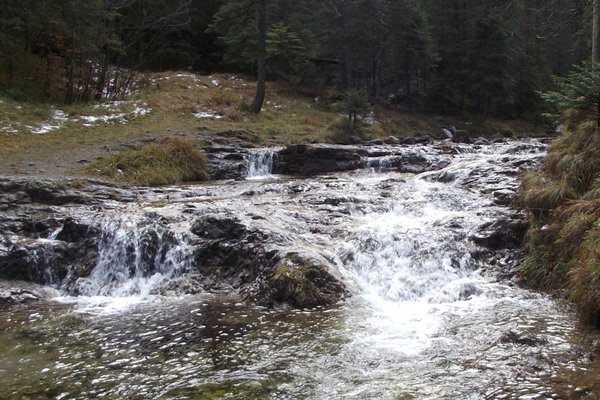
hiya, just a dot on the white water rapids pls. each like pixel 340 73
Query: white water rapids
pixel 427 319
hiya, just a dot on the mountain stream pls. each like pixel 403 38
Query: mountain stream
pixel 430 316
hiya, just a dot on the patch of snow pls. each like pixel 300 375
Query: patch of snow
pixel 214 81
pixel 111 105
pixel 116 113
pixel 140 111
pixel 8 129
pixel 45 127
pixel 186 75
pixel 60 115
pixel 57 121
pixel 207 114
pixel 92 119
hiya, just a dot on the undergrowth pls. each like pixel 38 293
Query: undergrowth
pixel 171 161
pixel 563 200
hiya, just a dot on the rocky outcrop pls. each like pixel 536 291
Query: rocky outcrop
pixel 23 292
pixel 232 255
pixel 315 159
pixel 226 162
pixel 318 159
pixel 51 236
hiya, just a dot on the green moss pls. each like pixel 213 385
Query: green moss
pixel 172 161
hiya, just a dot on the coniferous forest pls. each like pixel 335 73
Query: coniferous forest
pixel 488 57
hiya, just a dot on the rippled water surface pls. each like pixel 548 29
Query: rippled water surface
pixel 427 320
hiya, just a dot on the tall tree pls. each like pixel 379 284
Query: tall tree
pixel 596 32
pixel 259 98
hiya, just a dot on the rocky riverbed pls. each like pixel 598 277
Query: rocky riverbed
pixel 394 256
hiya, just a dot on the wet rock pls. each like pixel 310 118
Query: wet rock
pixel 424 139
pixel 234 256
pixel 392 140
pixel 218 227
pixel 303 282
pixel 226 167
pixel 504 197
pixel 17 296
pixel 506 233
pixel 19 292
pixel 74 232
pixel 53 194
pixel 374 142
pixel 314 159
pixel 43 262
pixel 516 338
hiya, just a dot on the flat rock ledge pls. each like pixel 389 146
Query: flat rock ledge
pixel 51 233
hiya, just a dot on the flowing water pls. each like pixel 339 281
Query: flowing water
pixel 428 318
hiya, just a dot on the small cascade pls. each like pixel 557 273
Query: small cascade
pixel 260 163
pixel 137 256
pixel 412 253
pixel 381 164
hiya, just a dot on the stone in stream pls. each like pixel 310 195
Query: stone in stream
pixel 505 233
pixel 303 282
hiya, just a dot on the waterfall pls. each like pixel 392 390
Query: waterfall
pixel 136 255
pixel 260 163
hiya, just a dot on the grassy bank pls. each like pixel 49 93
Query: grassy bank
pixel 563 200
pixel 39 138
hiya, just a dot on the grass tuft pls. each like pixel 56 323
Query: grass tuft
pixel 171 161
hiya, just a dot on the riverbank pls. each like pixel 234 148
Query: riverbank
pixel 52 140
pixel 563 201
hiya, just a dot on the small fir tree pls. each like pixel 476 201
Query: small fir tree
pixel 578 91
pixel 356 103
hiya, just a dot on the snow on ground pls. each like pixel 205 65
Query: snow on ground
pixel 58 119
pixel 114 112
pixel 8 128
pixel 207 114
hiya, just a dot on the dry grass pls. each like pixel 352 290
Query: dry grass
pixel 563 241
pixel 585 276
pixel 540 194
pixel 172 161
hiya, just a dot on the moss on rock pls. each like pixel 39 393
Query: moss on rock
pixel 303 282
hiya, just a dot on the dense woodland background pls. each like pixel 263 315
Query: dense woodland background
pixel 489 57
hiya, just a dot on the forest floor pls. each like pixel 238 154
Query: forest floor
pixel 60 140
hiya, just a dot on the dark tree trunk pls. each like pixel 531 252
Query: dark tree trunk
pixel 596 33
pixel 262 58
